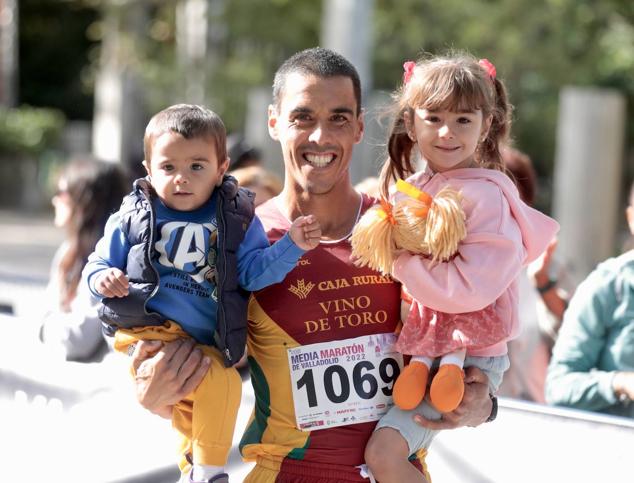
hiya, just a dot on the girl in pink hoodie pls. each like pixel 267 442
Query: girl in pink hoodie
pixel 453 114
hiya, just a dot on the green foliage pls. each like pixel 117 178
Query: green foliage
pixel 29 130
pixel 249 39
pixel 537 46
pixel 54 55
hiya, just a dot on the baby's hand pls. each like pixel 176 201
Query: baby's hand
pixel 305 232
pixel 112 283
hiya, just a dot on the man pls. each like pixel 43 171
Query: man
pixel 308 336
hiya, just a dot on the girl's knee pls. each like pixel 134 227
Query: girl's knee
pixel 372 451
pixel 386 445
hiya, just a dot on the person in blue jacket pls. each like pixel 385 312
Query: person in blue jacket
pixel 592 366
pixel 179 259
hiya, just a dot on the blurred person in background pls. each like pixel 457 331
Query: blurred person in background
pixel 541 303
pixel 263 183
pixel 592 367
pixel 241 153
pixel 88 191
pixel 369 186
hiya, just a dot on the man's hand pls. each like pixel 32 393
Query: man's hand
pixel 166 373
pixel 474 409
pixel 112 283
pixel 305 232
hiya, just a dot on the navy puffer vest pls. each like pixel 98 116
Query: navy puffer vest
pixel 234 212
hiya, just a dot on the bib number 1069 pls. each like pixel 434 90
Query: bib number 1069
pixel 343 382
pixel 338 383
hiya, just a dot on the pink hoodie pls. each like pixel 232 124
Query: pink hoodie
pixel 503 235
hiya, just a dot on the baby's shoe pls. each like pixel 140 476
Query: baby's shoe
pixel 447 388
pixel 219 478
pixel 410 386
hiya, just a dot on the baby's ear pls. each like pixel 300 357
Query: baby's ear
pixel 146 165
pixel 222 169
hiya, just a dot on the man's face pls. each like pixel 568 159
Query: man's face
pixel 317 126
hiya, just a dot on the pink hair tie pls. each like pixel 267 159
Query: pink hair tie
pixel 408 71
pixel 488 67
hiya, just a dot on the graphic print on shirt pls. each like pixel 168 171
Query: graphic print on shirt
pixel 190 249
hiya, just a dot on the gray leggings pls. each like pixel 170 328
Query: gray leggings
pixel 418 437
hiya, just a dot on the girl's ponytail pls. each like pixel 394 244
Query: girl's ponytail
pixel 398 165
pixel 489 150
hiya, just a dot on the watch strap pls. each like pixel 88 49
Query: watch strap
pixel 494 409
pixel 547 286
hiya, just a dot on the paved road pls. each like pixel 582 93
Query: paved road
pixel 27 244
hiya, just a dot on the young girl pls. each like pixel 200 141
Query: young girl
pixel 453 112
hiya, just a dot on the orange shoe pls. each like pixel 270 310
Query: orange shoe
pixel 447 388
pixel 410 386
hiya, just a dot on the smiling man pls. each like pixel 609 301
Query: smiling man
pixel 319 342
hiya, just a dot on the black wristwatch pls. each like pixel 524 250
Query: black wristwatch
pixel 547 286
pixel 494 409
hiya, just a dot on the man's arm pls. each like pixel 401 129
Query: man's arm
pixel 474 409
pixel 165 373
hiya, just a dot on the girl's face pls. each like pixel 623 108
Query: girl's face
pixel 63 205
pixel 446 139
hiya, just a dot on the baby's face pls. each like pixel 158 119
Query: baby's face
pixel 184 172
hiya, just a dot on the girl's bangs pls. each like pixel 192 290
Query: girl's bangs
pixel 449 91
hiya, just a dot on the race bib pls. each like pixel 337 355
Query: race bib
pixel 343 382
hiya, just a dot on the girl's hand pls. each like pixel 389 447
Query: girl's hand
pixel 112 283
pixel 474 409
pixel 305 232
pixel 166 373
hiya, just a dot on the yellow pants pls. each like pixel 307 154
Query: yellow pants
pixel 206 418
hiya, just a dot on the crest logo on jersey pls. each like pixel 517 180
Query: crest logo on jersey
pixel 301 288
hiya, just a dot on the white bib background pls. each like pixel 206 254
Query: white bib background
pixel 343 382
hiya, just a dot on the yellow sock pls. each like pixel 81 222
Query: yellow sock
pixel 447 388
pixel 410 387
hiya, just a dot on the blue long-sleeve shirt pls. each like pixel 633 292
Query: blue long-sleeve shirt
pixel 595 341
pixel 185 255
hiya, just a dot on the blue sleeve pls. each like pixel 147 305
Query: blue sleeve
pixel 111 251
pixel 261 264
pixel 573 377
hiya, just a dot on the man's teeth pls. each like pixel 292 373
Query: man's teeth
pixel 319 160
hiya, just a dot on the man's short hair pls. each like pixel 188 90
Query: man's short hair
pixel 190 121
pixel 319 62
